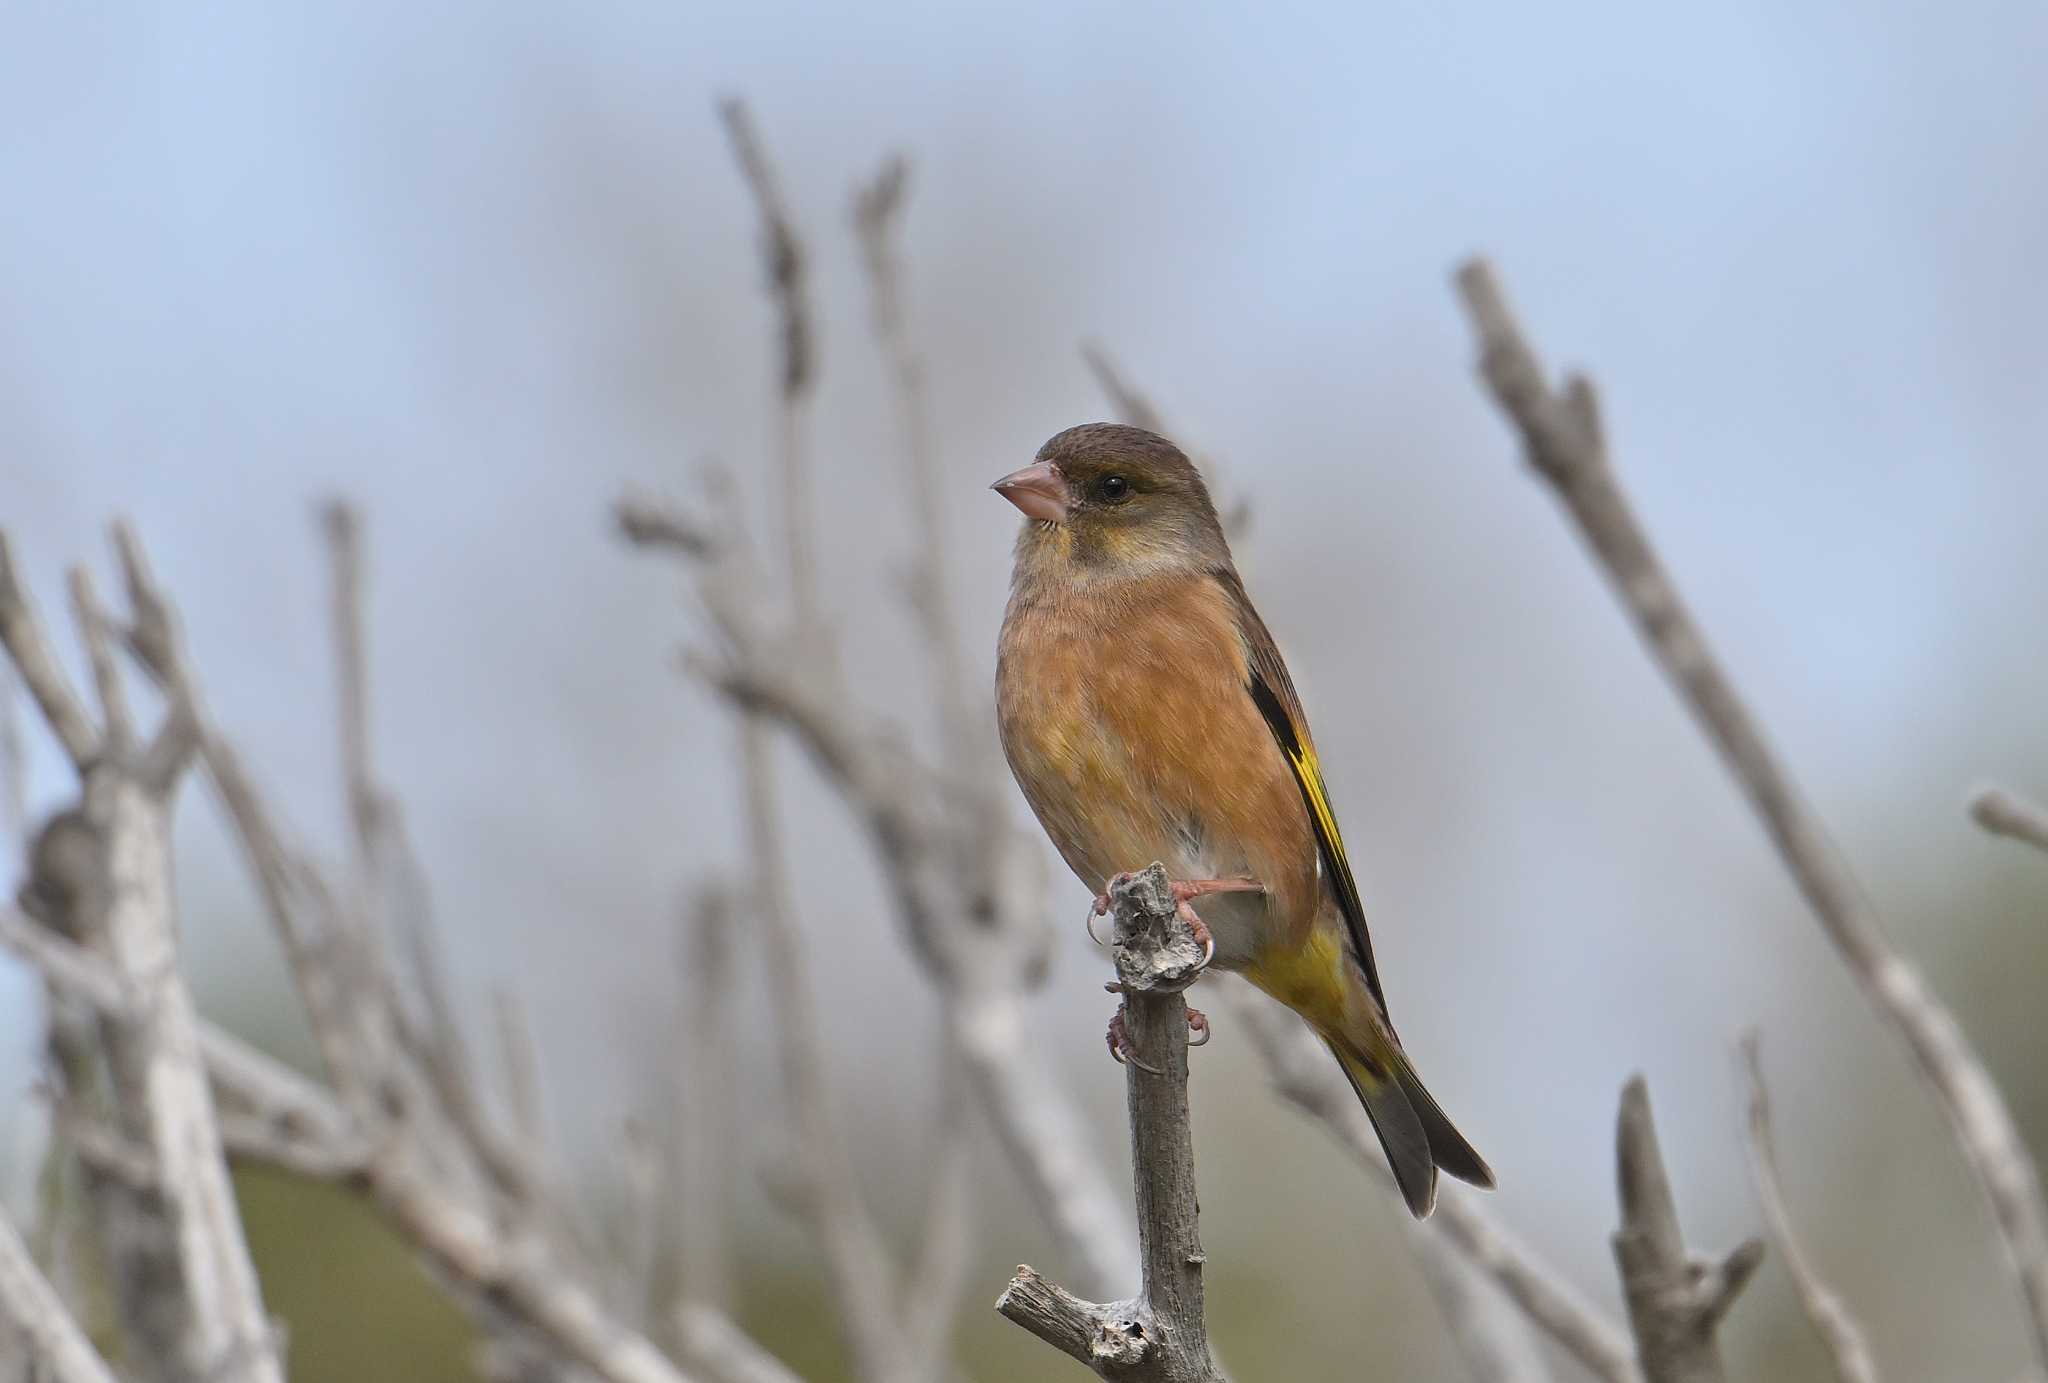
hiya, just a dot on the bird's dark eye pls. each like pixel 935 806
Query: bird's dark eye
pixel 1113 488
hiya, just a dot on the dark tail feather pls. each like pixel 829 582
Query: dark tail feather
pixel 1401 1133
pixel 1413 1129
pixel 1447 1146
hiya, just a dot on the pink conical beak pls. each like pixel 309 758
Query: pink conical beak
pixel 1039 490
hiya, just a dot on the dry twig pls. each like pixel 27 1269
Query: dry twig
pixel 187 1298
pixel 1301 1070
pixel 1675 1302
pixel 2006 813
pixel 1562 435
pixel 407 1126
pixel 1161 1333
pixel 1829 1314
pixel 33 1315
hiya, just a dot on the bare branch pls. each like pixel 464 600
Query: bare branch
pixel 1563 438
pixel 343 530
pixel 1495 1342
pixel 936 1283
pixel 31 1310
pixel 965 885
pixel 1160 1335
pixel 2006 813
pixel 302 908
pixel 1827 1312
pixel 13 759
pixel 160 1092
pixel 862 1277
pixel 520 1063
pixel 1302 1072
pixel 96 631
pixel 878 219
pixel 187 1294
pixel 724 1352
pixel 1046 1140
pixel 1675 1302
pixel 781 250
pixel 703 1101
pixel 783 253
pixel 1131 405
pixel 21 632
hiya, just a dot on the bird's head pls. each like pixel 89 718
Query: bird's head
pixel 1114 499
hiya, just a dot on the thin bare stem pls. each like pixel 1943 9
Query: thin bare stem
pixel 936 1283
pixel 21 633
pixel 343 530
pixel 878 220
pixel 1830 1316
pixel 13 758
pixel 703 1100
pixel 1161 1334
pixel 1301 1070
pixel 96 631
pixel 861 1275
pixel 36 1316
pixel 1675 1303
pixel 2005 813
pixel 1564 440
pixel 782 253
pixel 967 892
pixel 725 1353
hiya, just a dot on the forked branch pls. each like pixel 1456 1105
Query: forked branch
pixel 1160 1334
pixel 1564 440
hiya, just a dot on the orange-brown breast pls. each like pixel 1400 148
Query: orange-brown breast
pixel 1126 719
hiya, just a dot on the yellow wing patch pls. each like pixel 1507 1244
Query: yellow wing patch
pixel 1308 776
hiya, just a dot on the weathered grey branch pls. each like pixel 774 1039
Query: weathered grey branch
pixel 1829 1314
pixel 1675 1302
pixel 963 880
pixel 188 1300
pixel 13 759
pixel 96 632
pixel 408 1129
pixel 725 1353
pixel 34 1316
pixel 935 1285
pixel 878 219
pixel 286 1122
pixel 1301 1070
pixel 965 893
pixel 2008 814
pixel 861 1273
pixel 1562 435
pixel 1161 1333
pixel 21 633
pixel 703 1103
pixel 782 253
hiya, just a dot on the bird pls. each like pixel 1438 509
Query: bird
pixel 1147 715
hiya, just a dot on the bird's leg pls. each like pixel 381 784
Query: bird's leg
pixel 1198 1028
pixel 1186 891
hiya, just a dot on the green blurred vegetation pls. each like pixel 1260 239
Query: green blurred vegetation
pixel 355 1303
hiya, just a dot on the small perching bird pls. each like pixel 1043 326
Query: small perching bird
pixel 1147 716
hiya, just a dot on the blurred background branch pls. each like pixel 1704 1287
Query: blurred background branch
pixel 1565 441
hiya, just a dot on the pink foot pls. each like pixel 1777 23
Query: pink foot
pixel 1184 893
